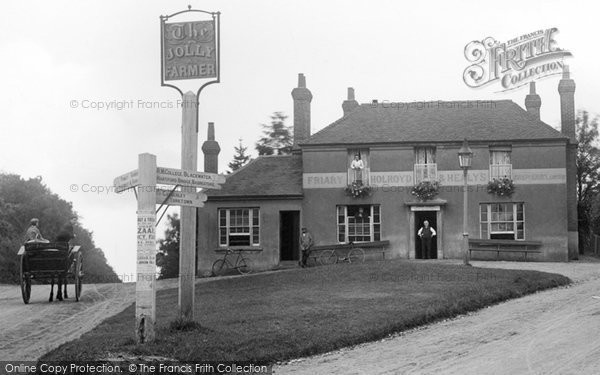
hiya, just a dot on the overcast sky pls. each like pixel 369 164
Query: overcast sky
pixel 58 54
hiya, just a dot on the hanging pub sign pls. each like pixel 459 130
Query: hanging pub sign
pixel 190 49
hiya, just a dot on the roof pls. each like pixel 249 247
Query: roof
pixel 272 176
pixel 436 121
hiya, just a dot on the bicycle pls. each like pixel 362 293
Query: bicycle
pixel 354 255
pixel 222 266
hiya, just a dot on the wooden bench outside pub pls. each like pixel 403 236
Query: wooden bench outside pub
pixel 368 247
pixel 504 246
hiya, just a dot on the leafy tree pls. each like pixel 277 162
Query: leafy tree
pixel 588 169
pixel 167 258
pixel 21 200
pixel 240 158
pixel 277 138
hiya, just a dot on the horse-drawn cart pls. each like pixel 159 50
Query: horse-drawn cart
pixel 50 261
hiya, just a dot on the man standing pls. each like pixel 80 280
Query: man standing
pixel 306 242
pixel 426 233
pixel 33 232
pixel 67 232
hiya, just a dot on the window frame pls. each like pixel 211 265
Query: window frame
pixel 344 227
pixel 366 158
pixel 428 166
pixel 492 165
pixel 254 223
pixel 515 220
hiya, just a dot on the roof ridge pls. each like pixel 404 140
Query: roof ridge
pixel 370 104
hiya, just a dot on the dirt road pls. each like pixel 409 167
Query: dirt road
pixel 29 331
pixel 551 332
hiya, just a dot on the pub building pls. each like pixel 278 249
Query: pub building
pixel 263 205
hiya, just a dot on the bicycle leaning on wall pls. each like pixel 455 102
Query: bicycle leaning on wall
pixel 223 266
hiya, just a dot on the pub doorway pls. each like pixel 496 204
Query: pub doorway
pixel 289 235
pixel 420 217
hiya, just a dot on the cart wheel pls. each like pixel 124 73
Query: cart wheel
pixel 220 267
pixel 78 275
pixel 25 282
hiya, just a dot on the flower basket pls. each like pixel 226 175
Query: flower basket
pixel 358 190
pixel 502 187
pixel 426 190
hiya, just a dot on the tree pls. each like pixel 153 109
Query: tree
pixel 277 137
pixel 240 158
pixel 167 258
pixel 21 200
pixel 588 167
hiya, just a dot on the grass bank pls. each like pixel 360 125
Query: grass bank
pixel 278 316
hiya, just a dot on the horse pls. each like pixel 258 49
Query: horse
pixel 61 282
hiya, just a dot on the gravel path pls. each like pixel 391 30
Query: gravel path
pixel 551 332
pixel 29 331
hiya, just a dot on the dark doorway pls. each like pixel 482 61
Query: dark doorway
pixel 420 217
pixel 289 235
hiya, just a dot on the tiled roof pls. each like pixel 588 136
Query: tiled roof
pixel 264 176
pixel 437 121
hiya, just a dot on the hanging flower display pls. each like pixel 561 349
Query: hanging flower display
pixel 426 190
pixel 502 187
pixel 358 190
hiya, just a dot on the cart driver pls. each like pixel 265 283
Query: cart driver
pixel 67 231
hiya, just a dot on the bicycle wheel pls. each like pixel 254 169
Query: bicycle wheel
pixel 220 267
pixel 328 257
pixel 356 255
pixel 244 266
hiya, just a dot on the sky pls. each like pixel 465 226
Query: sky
pixel 63 59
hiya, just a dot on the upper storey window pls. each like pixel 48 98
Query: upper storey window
pixel 358 166
pixel 425 165
pixel 500 163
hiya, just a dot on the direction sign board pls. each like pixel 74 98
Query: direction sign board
pixel 180 198
pixel 126 181
pixel 171 176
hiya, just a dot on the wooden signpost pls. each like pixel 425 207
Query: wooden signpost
pixel 180 198
pixel 146 177
pixel 145 286
pixel 189 50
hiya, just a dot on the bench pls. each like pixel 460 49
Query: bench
pixel 505 246
pixel 368 247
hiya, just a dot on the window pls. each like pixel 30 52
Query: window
pixel 358 166
pixel 500 165
pixel 502 221
pixel 239 226
pixel 358 223
pixel 425 165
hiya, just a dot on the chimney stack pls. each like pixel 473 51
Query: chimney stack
pixel 302 98
pixel 349 104
pixel 566 89
pixel 533 102
pixel 211 150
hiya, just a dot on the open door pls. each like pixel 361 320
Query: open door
pixel 289 235
pixel 420 217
